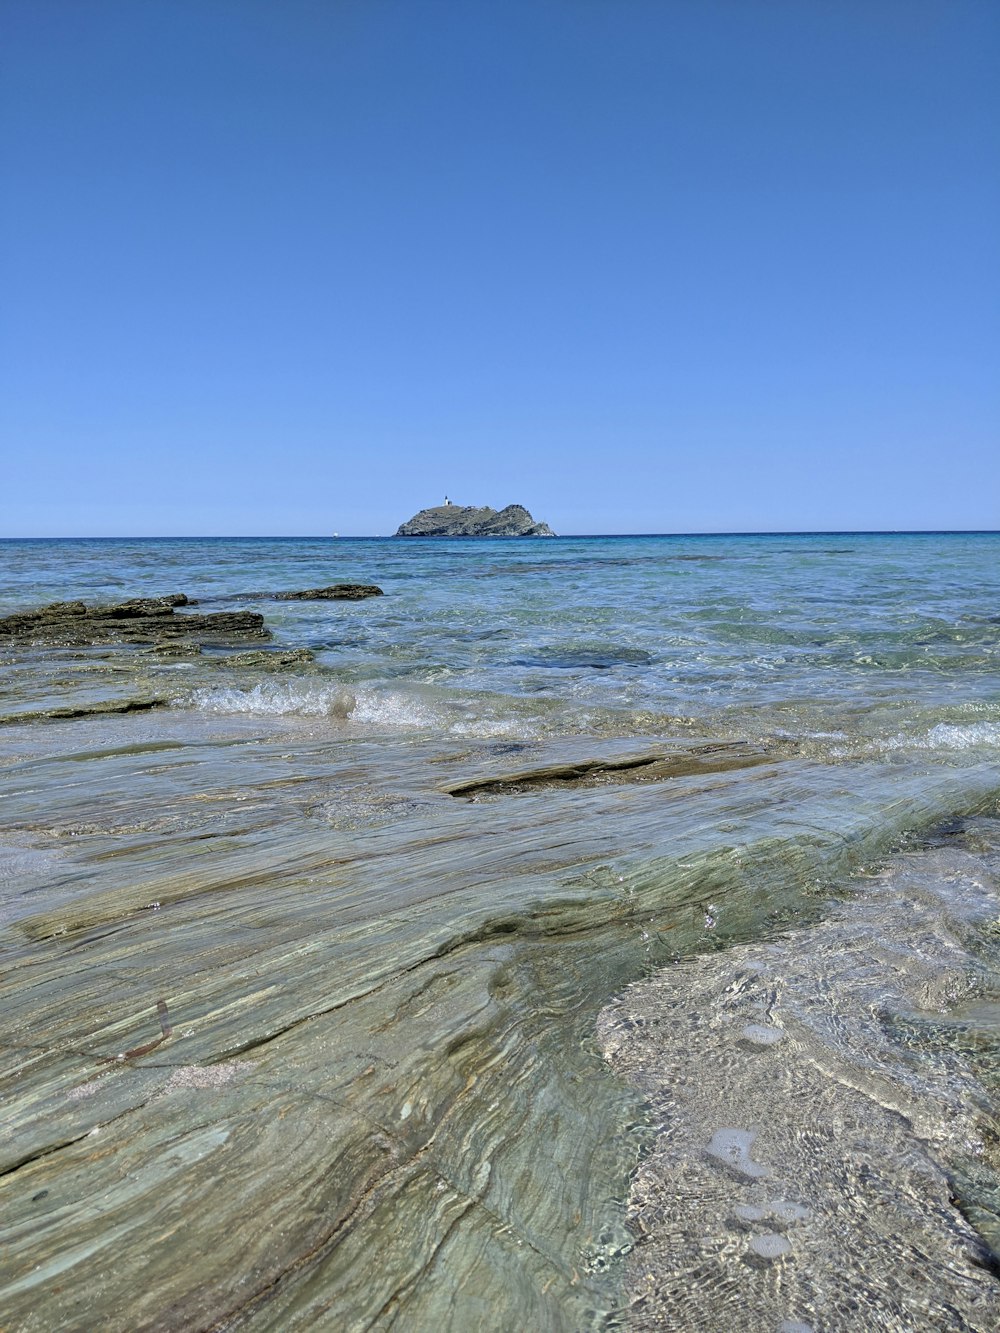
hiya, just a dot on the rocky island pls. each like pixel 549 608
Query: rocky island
pixel 452 520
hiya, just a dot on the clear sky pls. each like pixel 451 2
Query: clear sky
pixel 304 266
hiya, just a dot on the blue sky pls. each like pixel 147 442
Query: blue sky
pixel 641 265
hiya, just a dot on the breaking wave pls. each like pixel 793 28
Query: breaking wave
pixel 366 707
pixel 975 739
pixel 284 699
pixel 952 736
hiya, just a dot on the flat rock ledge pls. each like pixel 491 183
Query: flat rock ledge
pixel 336 592
pixel 452 520
pixel 151 620
pixel 141 620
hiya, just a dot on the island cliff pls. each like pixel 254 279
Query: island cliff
pixel 451 520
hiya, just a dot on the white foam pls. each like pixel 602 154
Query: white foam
pixel 496 728
pixel 945 736
pixel 360 706
pixel 286 699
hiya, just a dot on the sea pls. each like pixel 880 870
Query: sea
pixel 589 932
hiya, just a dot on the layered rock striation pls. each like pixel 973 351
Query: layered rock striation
pixel 152 620
pixel 450 520
pixel 141 620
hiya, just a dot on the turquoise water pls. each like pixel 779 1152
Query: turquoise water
pixel 460 920
pixel 842 642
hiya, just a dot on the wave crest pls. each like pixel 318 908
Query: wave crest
pixel 285 699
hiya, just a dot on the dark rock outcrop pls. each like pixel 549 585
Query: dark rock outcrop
pixel 467 521
pixel 152 620
pixel 337 592
pixel 653 766
pixel 141 620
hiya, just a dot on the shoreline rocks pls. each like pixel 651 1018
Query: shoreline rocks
pixel 152 620
pixel 337 592
pixel 141 620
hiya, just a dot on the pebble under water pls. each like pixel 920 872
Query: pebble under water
pixel 865 1167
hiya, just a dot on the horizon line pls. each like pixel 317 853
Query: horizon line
pixel 562 536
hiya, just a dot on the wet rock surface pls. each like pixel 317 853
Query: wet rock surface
pixel 140 620
pixel 268 659
pixel 657 766
pixel 335 592
pixel 153 621
pixel 72 713
pixel 369 1098
pixel 469 521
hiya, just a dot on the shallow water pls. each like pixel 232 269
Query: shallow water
pixel 873 641
pixel 387 893
pixel 827 1153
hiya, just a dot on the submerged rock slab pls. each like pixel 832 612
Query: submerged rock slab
pixel 652 766
pixel 378 1104
pixel 269 659
pixel 451 520
pixel 72 713
pixel 139 620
